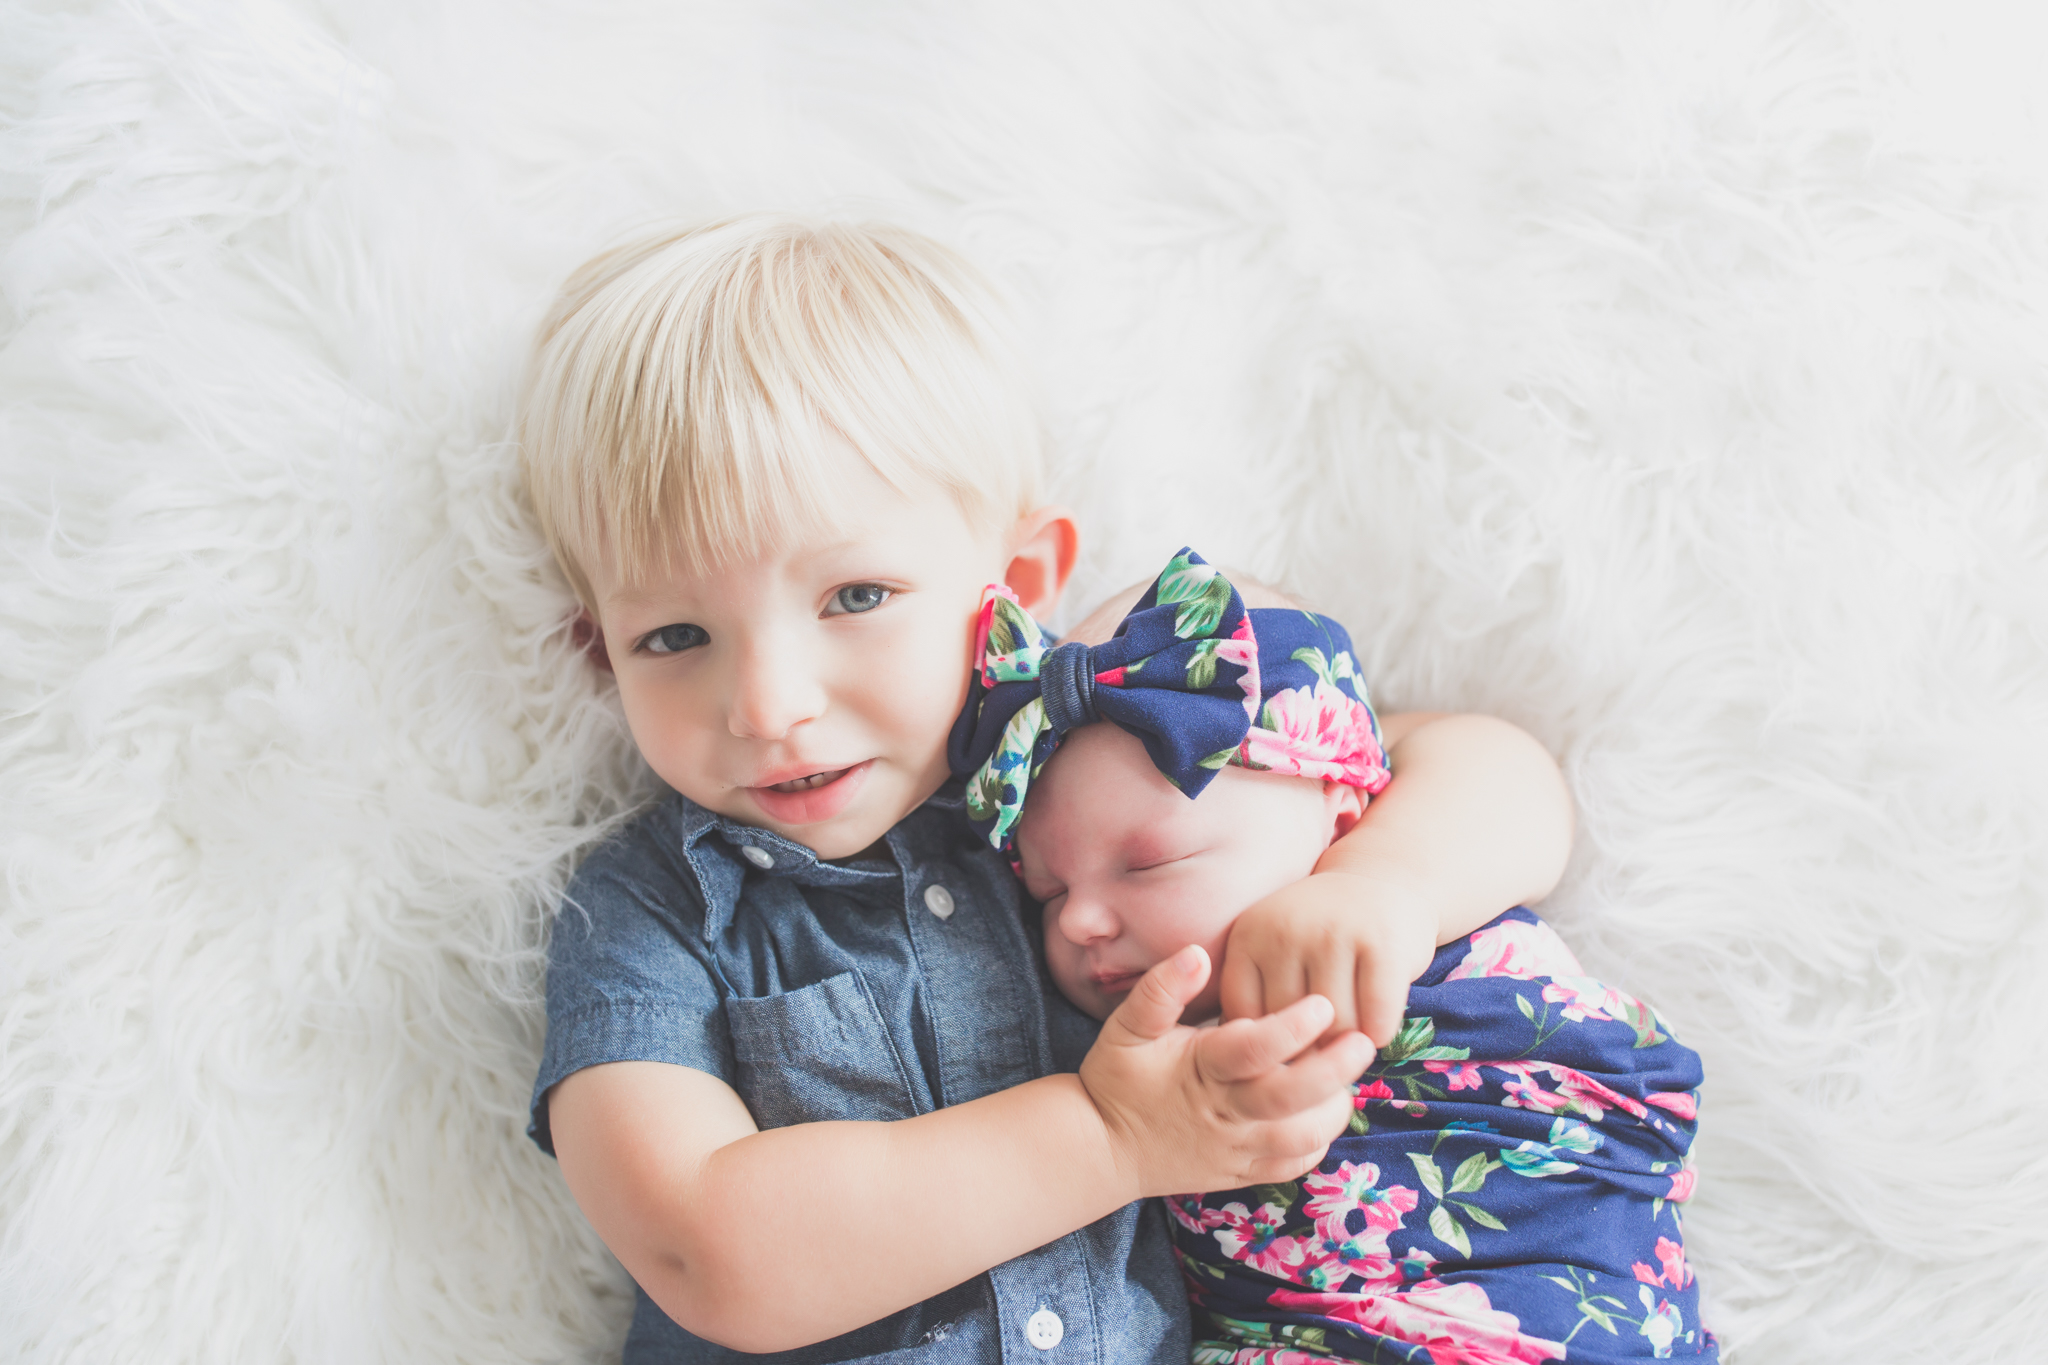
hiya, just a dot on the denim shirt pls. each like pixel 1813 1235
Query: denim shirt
pixel 874 989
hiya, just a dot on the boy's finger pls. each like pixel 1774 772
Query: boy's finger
pixel 1154 1006
pixel 1306 1137
pixel 1252 1047
pixel 1321 1076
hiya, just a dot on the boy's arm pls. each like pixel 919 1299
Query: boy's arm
pixel 716 1220
pixel 1476 820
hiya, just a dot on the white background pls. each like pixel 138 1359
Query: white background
pixel 1666 378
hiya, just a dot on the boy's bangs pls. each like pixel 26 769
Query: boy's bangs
pixel 704 386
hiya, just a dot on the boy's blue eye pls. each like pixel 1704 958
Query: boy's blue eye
pixel 859 597
pixel 674 639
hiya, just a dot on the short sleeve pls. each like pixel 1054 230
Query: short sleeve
pixel 630 975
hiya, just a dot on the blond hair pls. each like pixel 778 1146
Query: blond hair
pixel 685 384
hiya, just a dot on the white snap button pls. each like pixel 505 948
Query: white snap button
pixel 938 900
pixel 759 857
pixel 1044 1329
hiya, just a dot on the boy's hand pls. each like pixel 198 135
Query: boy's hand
pixel 1359 941
pixel 1246 1103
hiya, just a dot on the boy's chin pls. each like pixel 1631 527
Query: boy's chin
pixel 871 811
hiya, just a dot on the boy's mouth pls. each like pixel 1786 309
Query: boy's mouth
pixel 804 784
pixel 812 797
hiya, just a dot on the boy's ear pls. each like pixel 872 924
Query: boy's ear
pixel 1045 543
pixel 590 640
pixel 1344 804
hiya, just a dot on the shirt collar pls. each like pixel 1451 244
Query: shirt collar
pixel 722 851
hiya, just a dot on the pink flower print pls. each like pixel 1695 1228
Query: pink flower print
pixel 1323 1269
pixel 1242 649
pixel 1254 1238
pixel 1319 731
pixel 1187 1210
pixel 1456 1322
pixel 1524 1092
pixel 1375 1090
pixel 1676 1273
pixel 1671 1256
pixel 1333 1196
pixel 1584 998
pixel 1338 1192
pixel 1587 1096
pixel 1683 1103
pixel 1681 1186
pixel 1517 949
pixel 1462 1075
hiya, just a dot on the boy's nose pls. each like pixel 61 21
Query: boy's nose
pixel 773 692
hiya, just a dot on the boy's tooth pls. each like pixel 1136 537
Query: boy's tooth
pixel 799 784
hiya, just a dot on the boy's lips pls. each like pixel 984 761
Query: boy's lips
pixel 797 797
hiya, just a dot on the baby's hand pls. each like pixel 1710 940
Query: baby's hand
pixel 1357 940
pixel 1248 1103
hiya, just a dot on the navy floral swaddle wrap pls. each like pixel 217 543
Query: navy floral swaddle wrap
pixel 1508 1190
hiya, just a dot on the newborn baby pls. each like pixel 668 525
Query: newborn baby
pixel 1508 1188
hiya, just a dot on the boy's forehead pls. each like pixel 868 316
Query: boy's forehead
pixel 853 518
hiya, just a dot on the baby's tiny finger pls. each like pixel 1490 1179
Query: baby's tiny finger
pixel 1338 978
pixel 1243 993
pixel 1382 1000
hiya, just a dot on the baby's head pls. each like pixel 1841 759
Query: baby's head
pixel 1130 868
pixel 778 459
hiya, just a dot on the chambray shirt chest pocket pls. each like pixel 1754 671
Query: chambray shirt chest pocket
pixel 818 1052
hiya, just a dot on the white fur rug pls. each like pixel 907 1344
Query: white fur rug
pixel 1667 378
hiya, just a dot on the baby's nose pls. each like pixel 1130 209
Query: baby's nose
pixel 1084 919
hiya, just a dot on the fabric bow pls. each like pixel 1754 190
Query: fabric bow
pixel 1201 681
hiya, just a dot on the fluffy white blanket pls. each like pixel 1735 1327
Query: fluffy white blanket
pixel 1666 378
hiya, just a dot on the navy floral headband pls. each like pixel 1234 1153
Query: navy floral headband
pixel 1199 679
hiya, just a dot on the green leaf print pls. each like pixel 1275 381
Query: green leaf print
pixel 1315 659
pixel 1472 1173
pixel 1021 665
pixel 1183 579
pixel 1528 1010
pixel 1218 759
pixel 1199 615
pixel 1482 1217
pixel 1010 627
pixel 1416 1043
pixel 1284 1195
pixel 1449 1229
pixel 985 792
pixel 1426 1171
pixel 1644 1022
pixel 1202 665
